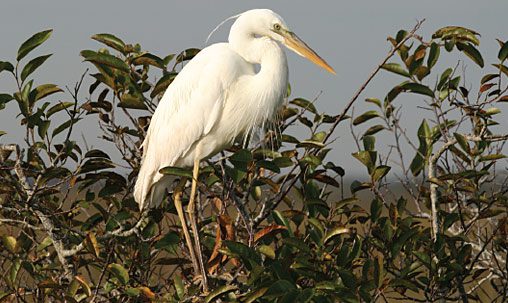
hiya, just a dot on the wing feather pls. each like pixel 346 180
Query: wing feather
pixel 191 106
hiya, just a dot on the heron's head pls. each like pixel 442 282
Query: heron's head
pixel 266 23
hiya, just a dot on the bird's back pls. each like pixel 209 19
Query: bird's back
pixel 188 111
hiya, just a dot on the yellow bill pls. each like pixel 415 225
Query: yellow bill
pixel 301 48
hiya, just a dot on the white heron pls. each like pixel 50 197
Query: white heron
pixel 216 98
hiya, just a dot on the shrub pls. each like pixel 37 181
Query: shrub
pixel 276 222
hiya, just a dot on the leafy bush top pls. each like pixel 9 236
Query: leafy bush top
pixel 275 219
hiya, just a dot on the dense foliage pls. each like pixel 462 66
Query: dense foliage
pixel 276 222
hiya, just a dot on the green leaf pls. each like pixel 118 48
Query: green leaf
pixel 488 77
pixel 44 90
pixel 176 171
pixel 270 165
pixel 241 159
pixel 256 294
pixel 492 157
pixel 95 153
pixel 365 117
pixel 111 41
pixel 369 143
pixel 43 128
pixel 457 33
pixel 105 59
pixel 163 84
pixel 180 288
pixel 347 278
pixel 469 50
pixel 279 289
pixel 32 65
pixel 289 139
pixel 401 240
pixel 310 144
pixel 395 68
pixel 503 52
pixel 13 272
pixel 131 101
pixel 58 107
pixel 168 59
pixel 502 68
pixel 187 54
pixel 283 162
pixel 368 158
pixel 4 65
pixel 298 244
pixel 148 59
pixel 305 104
pixel 311 160
pixel 10 243
pixel 425 138
pixel 393 93
pixel 248 255
pixel 32 43
pixel 267 251
pixel 119 272
pixel 169 242
pixel 444 78
pixel 218 292
pixel 335 232
pixel 373 130
pixel 4 98
pixel 319 136
pixel 417 88
pixel 462 142
pixel 395 283
pixel 376 207
pixel 374 101
pixel 132 292
pixel 64 126
pixel 379 172
pixel 433 54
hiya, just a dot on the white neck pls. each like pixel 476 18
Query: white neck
pixel 265 52
pixel 269 85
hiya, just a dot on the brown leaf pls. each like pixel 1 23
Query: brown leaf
pixel 227 224
pixel 214 262
pixel 271 229
pixel 486 87
pixel 92 244
pixel 146 292
pixel 420 54
pixel 73 180
pixel 85 285
pixel 327 180
pixel 218 204
pixel 48 283
pixel 224 229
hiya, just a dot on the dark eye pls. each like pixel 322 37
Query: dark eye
pixel 276 26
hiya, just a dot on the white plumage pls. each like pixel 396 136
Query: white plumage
pixel 217 97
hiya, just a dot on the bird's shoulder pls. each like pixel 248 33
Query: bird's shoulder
pixel 217 61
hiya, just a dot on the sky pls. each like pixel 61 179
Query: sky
pixel 350 35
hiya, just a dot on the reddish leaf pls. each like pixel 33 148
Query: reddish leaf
pixel 486 87
pixel 271 229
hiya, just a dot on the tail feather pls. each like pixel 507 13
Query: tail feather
pixel 143 186
pixel 150 186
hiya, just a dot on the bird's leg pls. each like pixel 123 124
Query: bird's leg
pixel 177 197
pixel 194 225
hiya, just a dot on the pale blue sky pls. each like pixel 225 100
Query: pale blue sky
pixel 350 35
